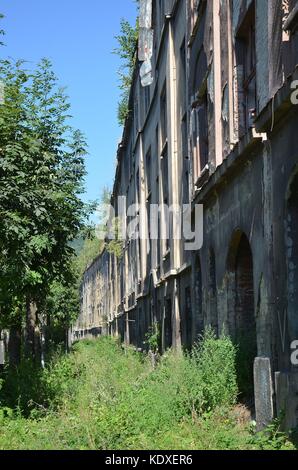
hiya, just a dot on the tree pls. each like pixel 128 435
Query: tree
pixel 127 41
pixel 41 173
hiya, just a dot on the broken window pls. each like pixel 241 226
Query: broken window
pixel 200 136
pixel 199 132
pixel 246 71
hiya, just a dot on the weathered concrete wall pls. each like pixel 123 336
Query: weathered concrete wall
pixel 240 163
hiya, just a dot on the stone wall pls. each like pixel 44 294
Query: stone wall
pixel 217 128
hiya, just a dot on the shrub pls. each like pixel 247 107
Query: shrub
pixel 102 396
pixel 216 364
pixel 22 387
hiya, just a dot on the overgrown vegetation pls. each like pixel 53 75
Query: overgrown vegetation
pixel 102 396
pixel 127 51
pixel 42 174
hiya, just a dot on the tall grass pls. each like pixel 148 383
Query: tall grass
pixel 102 396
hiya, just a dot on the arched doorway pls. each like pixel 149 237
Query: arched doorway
pixel 242 315
pixel 292 258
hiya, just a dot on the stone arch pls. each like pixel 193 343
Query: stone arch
pixel 291 241
pixel 242 318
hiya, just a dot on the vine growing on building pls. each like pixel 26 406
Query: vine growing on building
pixel 127 51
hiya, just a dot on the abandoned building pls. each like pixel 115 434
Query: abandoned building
pixel 217 126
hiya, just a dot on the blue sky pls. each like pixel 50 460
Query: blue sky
pixel 78 36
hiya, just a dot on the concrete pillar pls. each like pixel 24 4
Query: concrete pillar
pixel 176 315
pixel 2 353
pixel 263 392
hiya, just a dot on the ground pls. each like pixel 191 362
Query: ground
pixel 103 396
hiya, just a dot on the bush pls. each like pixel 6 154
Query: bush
pixel 182 387
pixel 216 364
pixel 102 396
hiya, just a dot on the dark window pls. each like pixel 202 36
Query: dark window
pixel 158 241
pixel 291 22
pixel 146 98
pixel 163 115
pixel 164 172
pixel 199 95
pixel 149 245
pixel 292 258
pixel 246 65
pixel 157 161
pixel 165 190
pixel 162 12
pixel 168 334
pixel 138 187
pixel 185 161
pixel 136 116
pixel 245 317
pixel 213 292
pixel 188 318
pixel 202 130
pixel 198 297
pixel 182 76
pixel 148 171
pixel 184 137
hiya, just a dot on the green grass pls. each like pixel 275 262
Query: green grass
pixel 102 396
